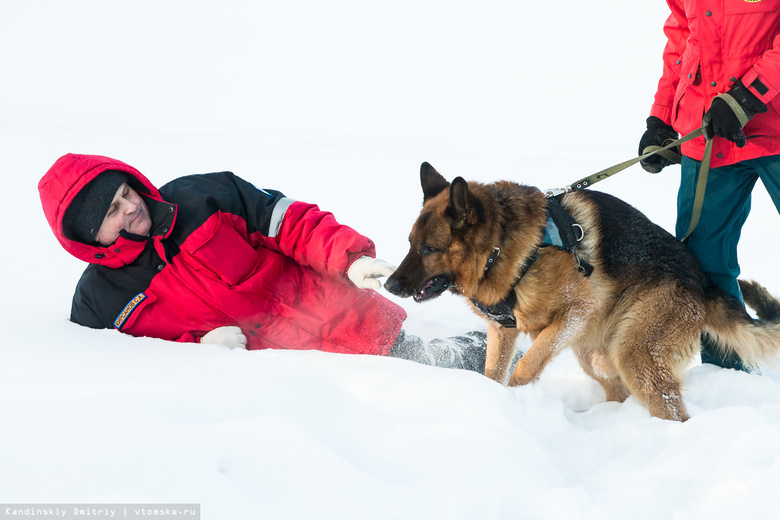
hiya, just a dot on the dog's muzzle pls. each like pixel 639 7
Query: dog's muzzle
pixel 432 288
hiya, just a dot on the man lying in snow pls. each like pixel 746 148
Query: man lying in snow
pixel 212 259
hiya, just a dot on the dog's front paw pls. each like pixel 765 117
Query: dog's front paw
pixel 519 381
pixel 522 376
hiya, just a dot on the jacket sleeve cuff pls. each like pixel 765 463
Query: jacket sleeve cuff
pixel 759 87
pixel 663 113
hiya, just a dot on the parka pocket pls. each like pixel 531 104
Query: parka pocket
pixel 219 250
pixel 689 65
pixel 689 70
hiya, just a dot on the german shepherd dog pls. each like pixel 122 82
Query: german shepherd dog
pixel 628 298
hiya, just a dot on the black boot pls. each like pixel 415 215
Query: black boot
pixel 710 353
pixel 466 352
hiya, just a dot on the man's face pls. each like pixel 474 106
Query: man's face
pixel 128 211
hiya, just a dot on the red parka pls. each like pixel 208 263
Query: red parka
pixel 711 45
pixel 222 252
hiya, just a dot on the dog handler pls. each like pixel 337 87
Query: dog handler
pixel 715 47
pixel 212 259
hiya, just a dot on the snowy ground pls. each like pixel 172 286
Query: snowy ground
pixel 338 103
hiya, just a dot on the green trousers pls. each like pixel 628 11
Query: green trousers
pixel 726 207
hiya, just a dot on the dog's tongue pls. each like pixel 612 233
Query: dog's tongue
pixel 432 288
pixel 421 295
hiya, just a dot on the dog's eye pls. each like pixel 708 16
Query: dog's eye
pixel 428 250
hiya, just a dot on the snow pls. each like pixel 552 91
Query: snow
pixel 338 103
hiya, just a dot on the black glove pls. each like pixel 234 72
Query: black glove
pixel 659 134
pixel 721 119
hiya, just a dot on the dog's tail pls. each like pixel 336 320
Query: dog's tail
pixel 735 331
pixel 767 307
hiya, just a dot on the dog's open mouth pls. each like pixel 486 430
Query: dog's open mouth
pixel 432 288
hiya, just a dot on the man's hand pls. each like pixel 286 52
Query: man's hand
pixel 365 270
pixel 230 337
pixel 658 134
pixel 726 119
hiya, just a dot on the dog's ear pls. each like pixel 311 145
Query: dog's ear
pixel 463 206
pixel 432 181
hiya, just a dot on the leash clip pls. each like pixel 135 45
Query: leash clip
pixel 554 192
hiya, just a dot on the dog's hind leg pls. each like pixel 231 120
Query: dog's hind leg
pixel 595 364
pixel 656 386
pixel 501 349
pixel 656 339
pixel 614 389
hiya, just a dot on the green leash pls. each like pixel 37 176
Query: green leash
pixel 701 187
pixel 704 170
pixel 664 151
pixel 587 182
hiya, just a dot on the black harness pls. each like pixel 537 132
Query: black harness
pixel 561 232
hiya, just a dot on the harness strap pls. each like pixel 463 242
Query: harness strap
pixel 569 234
pixel 504 311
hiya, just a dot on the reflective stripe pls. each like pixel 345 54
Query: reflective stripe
pixel 277 217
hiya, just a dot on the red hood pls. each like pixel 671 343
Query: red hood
pixel 62 183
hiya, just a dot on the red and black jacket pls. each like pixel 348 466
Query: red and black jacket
pixel 710 45
pixel 222 252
